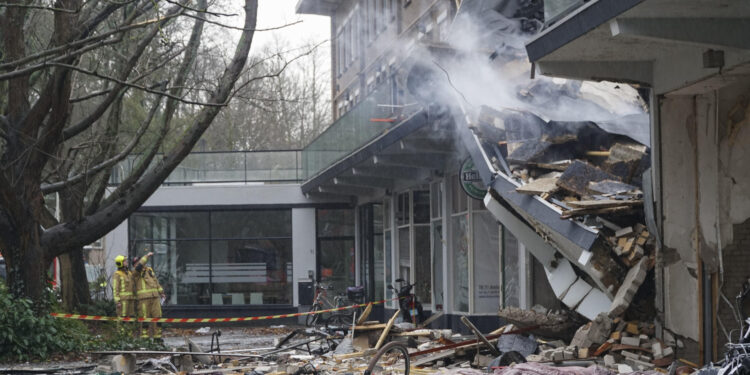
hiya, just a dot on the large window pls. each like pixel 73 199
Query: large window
pixel 336 266
pixel 202 257
pixel 475 249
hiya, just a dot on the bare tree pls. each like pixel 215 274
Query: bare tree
pixel 61 107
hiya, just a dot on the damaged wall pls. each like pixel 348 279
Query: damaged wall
pixel 705 194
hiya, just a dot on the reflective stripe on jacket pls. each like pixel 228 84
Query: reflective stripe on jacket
pixel 146 285
pixel 122 285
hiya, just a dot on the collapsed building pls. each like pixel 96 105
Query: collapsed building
pixel 450 165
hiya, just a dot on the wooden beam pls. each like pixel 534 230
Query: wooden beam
pixel 387 329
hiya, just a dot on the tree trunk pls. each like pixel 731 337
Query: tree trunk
pixel 24 256
pixel 73 281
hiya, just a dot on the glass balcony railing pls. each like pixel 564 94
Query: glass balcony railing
pixel 225 167
pixel 368 119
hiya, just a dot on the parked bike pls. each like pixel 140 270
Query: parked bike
pixel 411 309
pixel 353 295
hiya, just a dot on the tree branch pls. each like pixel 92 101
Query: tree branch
pixel 57 186
pixel 31 6
pixel 92 227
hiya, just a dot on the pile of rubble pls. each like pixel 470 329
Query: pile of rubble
pixel 602 346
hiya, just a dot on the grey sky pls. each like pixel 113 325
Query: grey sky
pixel 274 13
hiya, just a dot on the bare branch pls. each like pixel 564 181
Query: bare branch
pixel 31 6
pixel 205 10
pixel 57 186
pixel 136 79
pixel 242 29
pixel 69 47
pixel 139 87
pixel 92 227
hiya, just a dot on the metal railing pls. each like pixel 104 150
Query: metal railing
pixel 275 166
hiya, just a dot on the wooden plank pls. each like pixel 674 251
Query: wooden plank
pixel 365 314
pixel 598 211
pixel 431 319
pixel 539 186
pixel 370 327
pixel 387 329
pixel 605 203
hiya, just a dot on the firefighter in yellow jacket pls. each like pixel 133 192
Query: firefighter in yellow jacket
pixel 148 292
pixel 122 288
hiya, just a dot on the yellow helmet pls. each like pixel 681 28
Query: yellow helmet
pixel 119 261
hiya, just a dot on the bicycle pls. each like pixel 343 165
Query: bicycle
pixel 321 302
pixel 352 296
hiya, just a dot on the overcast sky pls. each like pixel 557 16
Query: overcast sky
pixel 274 13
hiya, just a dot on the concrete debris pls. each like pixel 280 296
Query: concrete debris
pixel 350 350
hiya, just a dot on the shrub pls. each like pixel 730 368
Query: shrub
pixel 25 336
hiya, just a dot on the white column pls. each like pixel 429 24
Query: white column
pixel 303 247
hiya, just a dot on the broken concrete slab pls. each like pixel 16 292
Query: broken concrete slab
pixel 593 304
pixel 576 293
pixel 594 333
pixel 517 343
pixel 633 280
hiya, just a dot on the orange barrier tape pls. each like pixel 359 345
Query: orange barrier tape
pixel 210 320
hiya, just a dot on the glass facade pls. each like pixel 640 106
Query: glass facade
pixel 217 257
pixel 336 266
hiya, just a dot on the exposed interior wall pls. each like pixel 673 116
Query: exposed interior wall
pixel 706 197
pixel 679 192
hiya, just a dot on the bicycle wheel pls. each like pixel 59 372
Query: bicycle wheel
pixel 388 359
pixel 312 319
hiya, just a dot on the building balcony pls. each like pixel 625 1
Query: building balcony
pixel 373 116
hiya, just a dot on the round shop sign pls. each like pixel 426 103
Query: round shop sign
pixel 471 182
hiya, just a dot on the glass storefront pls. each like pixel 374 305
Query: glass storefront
pixel 336 266
pixel 218 257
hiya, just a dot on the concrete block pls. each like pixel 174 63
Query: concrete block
pixel 644 358
pixel 558 355
pixel 593 304
pixel 624 369
pixel 629 355
pixel 656 350
pixel 638 364
pixel 628 288
pixel 576 292
pixel 124 363
pixel 609 360
pixel 633 341
pixel 644 337
pixel 561 278
pixel 583 353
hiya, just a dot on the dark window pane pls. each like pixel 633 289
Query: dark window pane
pixel 437 265
pixel 402 209
pixel 458 197
pixel 183 271
pixel 510 269
pixel 404 257
pixel 252 272
pixel 460 250
pixel 335 222
pixel 422 261
pixel 169 225
pixel 251 224
pixel 421 207
pixel 337 264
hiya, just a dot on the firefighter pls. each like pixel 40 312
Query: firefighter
pixel 148 292
pixel 122 288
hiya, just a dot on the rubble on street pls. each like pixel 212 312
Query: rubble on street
pixel 535 346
